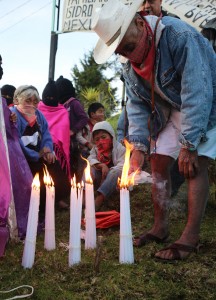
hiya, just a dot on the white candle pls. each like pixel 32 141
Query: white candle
pixel 49 240
pixel 126 243
pixel 126 254
pixel 90 222
pixel 75 223
pixel 31 233
pixel 90 235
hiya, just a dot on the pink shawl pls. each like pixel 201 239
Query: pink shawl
pixel 59 127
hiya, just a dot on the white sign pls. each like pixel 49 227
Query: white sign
pixel 195 12
pixel 78 14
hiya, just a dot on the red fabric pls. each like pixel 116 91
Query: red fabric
pixel 59 127
pixel 28 112
pixel 138 55
pixel 90 125
pixel 106 219
pixel 146 67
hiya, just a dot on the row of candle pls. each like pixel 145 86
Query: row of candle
pixel 76 199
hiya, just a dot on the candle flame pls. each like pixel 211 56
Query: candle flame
pixel 36 182
pixel 47 178
pixel 80 185
pixel 125 182
pixel 88 178
pixel 73 181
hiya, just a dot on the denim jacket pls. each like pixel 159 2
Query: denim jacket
pixel 185 77
pixel 46 139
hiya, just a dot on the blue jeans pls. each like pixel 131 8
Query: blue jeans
pixel 108 186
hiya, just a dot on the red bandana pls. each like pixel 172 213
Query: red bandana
pixel 144 69
pixel 104 150
pixel 31 118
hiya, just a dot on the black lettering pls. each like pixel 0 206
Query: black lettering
pixel 198 16
pixel 84 8
pixel 90 9
pixel 78 11
pixel 82 27
pixel 190 13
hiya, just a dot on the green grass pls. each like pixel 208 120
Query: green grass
pixel 113 121
pixel 51 277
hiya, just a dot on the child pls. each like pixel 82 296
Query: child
pixel 96 113
pixel 106 160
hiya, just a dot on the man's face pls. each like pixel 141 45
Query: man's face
pixel 1 69
pixel 131 39
pixel 152 7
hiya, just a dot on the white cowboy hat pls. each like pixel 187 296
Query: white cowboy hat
pixel 111 24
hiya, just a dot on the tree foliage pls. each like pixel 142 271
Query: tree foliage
pixel 92 83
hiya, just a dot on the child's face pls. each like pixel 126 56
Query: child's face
pixel 100 136
pixel 99 115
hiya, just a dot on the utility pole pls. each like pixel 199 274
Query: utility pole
pixel 54 39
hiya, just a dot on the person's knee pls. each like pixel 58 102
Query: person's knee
pixel 161 164
pixel 114 173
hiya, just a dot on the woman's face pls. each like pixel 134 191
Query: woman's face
pixel 29 104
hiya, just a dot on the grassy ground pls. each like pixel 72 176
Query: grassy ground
pixel 51 277
pixel 147 278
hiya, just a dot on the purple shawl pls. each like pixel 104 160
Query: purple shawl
pixel 21 175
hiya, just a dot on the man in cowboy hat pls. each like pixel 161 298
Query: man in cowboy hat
pixel 170 76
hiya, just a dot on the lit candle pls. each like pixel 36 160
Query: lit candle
pixel 31 233
pixel 75 223
pixel 126 254
pixel 49 239
pixel 90 222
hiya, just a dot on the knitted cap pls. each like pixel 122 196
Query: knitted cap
pixel 7 92
pixel 65 89
pixel 50 94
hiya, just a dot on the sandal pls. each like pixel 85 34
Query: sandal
pixel 175 250
pixel 146 238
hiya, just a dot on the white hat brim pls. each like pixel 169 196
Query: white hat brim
pixel 102 52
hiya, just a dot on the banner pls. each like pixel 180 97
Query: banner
pixel 194 12
pixel 78 14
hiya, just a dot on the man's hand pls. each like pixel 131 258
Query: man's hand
pixel 188 163
pixel 136 161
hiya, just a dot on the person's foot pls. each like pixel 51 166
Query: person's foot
pixel 99 202
pixel 177 251
pixel 147 238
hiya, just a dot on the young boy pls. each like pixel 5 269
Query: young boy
pixel 96 113
pixel 106 160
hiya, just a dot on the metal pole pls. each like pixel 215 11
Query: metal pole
pixel 53 40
